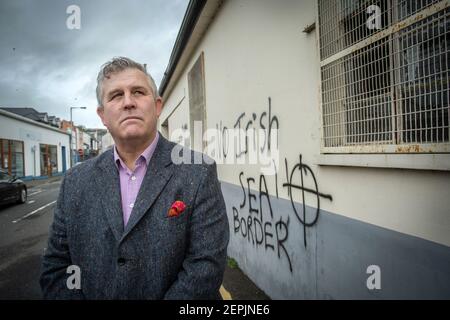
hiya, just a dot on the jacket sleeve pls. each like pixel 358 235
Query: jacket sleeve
pixel 204 264
pixel 56 258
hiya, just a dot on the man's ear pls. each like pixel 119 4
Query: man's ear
pixel 100 112
pixel 159 105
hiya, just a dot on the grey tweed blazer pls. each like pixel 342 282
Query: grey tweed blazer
pixel 154 256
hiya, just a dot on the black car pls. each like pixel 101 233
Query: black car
pixel 11 189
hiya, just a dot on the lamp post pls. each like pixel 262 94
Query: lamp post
pixel 71 130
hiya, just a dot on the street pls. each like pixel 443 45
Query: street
pixel 23 237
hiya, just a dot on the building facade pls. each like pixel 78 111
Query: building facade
pixel 345 108
pixel 107 142
pixel 96 141
pixel 31 149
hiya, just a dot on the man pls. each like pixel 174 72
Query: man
pixel 136 225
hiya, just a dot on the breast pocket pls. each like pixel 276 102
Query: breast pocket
pixel 181 219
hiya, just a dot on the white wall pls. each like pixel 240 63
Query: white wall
pixel 255 50
pixel 178 120
pixel 33 135
pixel 107 142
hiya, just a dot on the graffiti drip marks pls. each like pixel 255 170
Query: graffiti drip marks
pixel 303 169
pixel 254 218
pixel 268 123
pixel 260 233
pixel 263 228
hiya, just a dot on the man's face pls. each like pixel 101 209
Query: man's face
pixel 130 110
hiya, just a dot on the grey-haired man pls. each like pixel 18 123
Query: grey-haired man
pixel 136 225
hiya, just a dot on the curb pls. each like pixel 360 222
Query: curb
pixel 37 182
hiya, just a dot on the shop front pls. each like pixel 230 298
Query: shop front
pixel 11 157
pixel 49 159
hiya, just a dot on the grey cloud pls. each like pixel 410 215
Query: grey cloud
pixel 49 67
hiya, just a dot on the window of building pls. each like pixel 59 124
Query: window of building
pixel 385 85
pixel 197 110
pixel 49 160
pixel 11 157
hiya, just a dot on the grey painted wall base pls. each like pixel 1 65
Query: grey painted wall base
pixel 333 264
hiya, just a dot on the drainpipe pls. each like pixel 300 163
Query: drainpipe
pixel 33 149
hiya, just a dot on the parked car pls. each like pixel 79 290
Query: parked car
pixel 12 189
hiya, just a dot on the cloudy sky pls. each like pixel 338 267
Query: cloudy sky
pixel 49 67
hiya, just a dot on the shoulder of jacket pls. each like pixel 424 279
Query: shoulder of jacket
pixel 86 167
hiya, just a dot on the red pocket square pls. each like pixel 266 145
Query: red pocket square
pixel 176 209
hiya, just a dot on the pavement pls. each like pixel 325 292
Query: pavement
pixel 237 286
pixel 34 183
pixel 24 236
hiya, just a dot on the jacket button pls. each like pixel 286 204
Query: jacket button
pixel 121 261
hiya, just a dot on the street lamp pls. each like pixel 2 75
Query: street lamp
pixel 71 129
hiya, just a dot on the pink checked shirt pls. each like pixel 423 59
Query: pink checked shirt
pixel 130 181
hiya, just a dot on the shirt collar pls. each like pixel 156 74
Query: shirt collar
pixel 145 155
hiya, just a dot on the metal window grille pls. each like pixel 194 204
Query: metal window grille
pixel 385 89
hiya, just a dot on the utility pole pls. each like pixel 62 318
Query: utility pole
pixel 71 130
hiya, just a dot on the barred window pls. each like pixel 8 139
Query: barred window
pixel 385 75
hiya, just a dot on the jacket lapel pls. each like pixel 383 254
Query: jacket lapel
pixel 108 184
pixel 159 172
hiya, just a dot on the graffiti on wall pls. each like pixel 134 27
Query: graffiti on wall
pixel 266 122
pixel 254 218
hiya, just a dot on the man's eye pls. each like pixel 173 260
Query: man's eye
pixel 138 92
pixel 115 96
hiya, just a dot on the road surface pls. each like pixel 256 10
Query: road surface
pixel 23 237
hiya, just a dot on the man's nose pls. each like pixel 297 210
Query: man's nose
pixel 128 101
